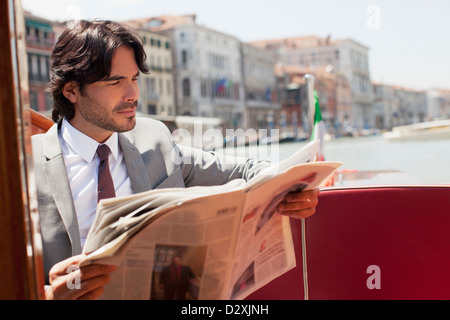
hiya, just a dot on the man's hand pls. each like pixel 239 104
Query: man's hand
pixel 68 282
pixel 299 204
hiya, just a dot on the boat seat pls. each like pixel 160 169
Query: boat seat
pixel 39 123
pixel 394 238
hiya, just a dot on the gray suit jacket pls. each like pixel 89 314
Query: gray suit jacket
pixel 152 160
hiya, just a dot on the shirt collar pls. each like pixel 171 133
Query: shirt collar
pixel 85 146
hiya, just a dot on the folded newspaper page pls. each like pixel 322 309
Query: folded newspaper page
pixel 202 243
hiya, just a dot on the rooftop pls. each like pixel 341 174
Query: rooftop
pixel 296 42
pixel 303 42
pixel 162 23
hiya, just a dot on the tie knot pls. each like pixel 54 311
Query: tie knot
pixel 103 151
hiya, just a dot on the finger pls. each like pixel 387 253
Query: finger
pixel 95 270
pixel 93 288
pixel 300 214
pixel 61 268
pixel 87 288
pixel 303 195
pixel 76 282
pixel 298 204
pixel 93 295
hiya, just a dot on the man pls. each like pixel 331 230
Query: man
pixel 175 280
pixel 95 68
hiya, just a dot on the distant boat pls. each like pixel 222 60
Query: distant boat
pixel 436 129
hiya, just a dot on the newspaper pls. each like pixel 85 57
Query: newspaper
pixel 229 239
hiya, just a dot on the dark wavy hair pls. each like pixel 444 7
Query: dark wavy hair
pixel 83 54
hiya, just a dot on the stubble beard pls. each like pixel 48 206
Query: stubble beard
pixel 93 113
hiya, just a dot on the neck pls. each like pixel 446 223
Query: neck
pixel 98 134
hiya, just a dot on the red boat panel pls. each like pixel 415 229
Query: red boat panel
pixel 403 233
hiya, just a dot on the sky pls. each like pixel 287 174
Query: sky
pixel 409 40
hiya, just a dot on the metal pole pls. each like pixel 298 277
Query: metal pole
pixel 311 109
pixel 310 95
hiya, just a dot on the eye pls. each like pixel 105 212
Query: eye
pixel 114 83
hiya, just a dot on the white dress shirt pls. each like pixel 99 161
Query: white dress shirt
pixel 81 160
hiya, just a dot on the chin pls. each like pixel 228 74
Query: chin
pixel 131 124
pixel 126 125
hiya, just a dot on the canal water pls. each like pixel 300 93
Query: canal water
pixel 423 161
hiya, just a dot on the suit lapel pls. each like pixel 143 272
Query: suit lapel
pixel 136 168
pixel 55 172
pixel 56 175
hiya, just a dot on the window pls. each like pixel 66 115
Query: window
pixel 167 64
pixel 169 87
pixel 34 100
pixel 34 67
pixel 151 109
pixel 48 100
pixel 44 71
pixel 186 88
pixel 152 62
pixel 184 58
pixel 203 88
pixel 30 74
pixel 158 63
pixel 236 91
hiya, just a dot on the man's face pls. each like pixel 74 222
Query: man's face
pixel 108 106
pixel 176 261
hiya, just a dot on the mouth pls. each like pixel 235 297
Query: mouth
pixel 129 112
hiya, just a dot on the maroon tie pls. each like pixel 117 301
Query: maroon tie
pixel 105 181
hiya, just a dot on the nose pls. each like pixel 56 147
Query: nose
pixel 131 93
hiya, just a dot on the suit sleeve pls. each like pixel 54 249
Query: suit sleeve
pixel 212 168
pixel 198 167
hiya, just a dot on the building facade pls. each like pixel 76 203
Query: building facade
pixel 398 106
pixel 40 40
pixel 209 78
pixel 199 72
pixel 262 110
pixel 157 94
pixel 210 68
pixel 344 58
pixel 334 95
pixel 206 68
pixel 353 63
pixel 438 102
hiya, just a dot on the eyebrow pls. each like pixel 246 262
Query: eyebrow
pixel 116 78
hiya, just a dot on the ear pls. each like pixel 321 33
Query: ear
pixel 71 91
